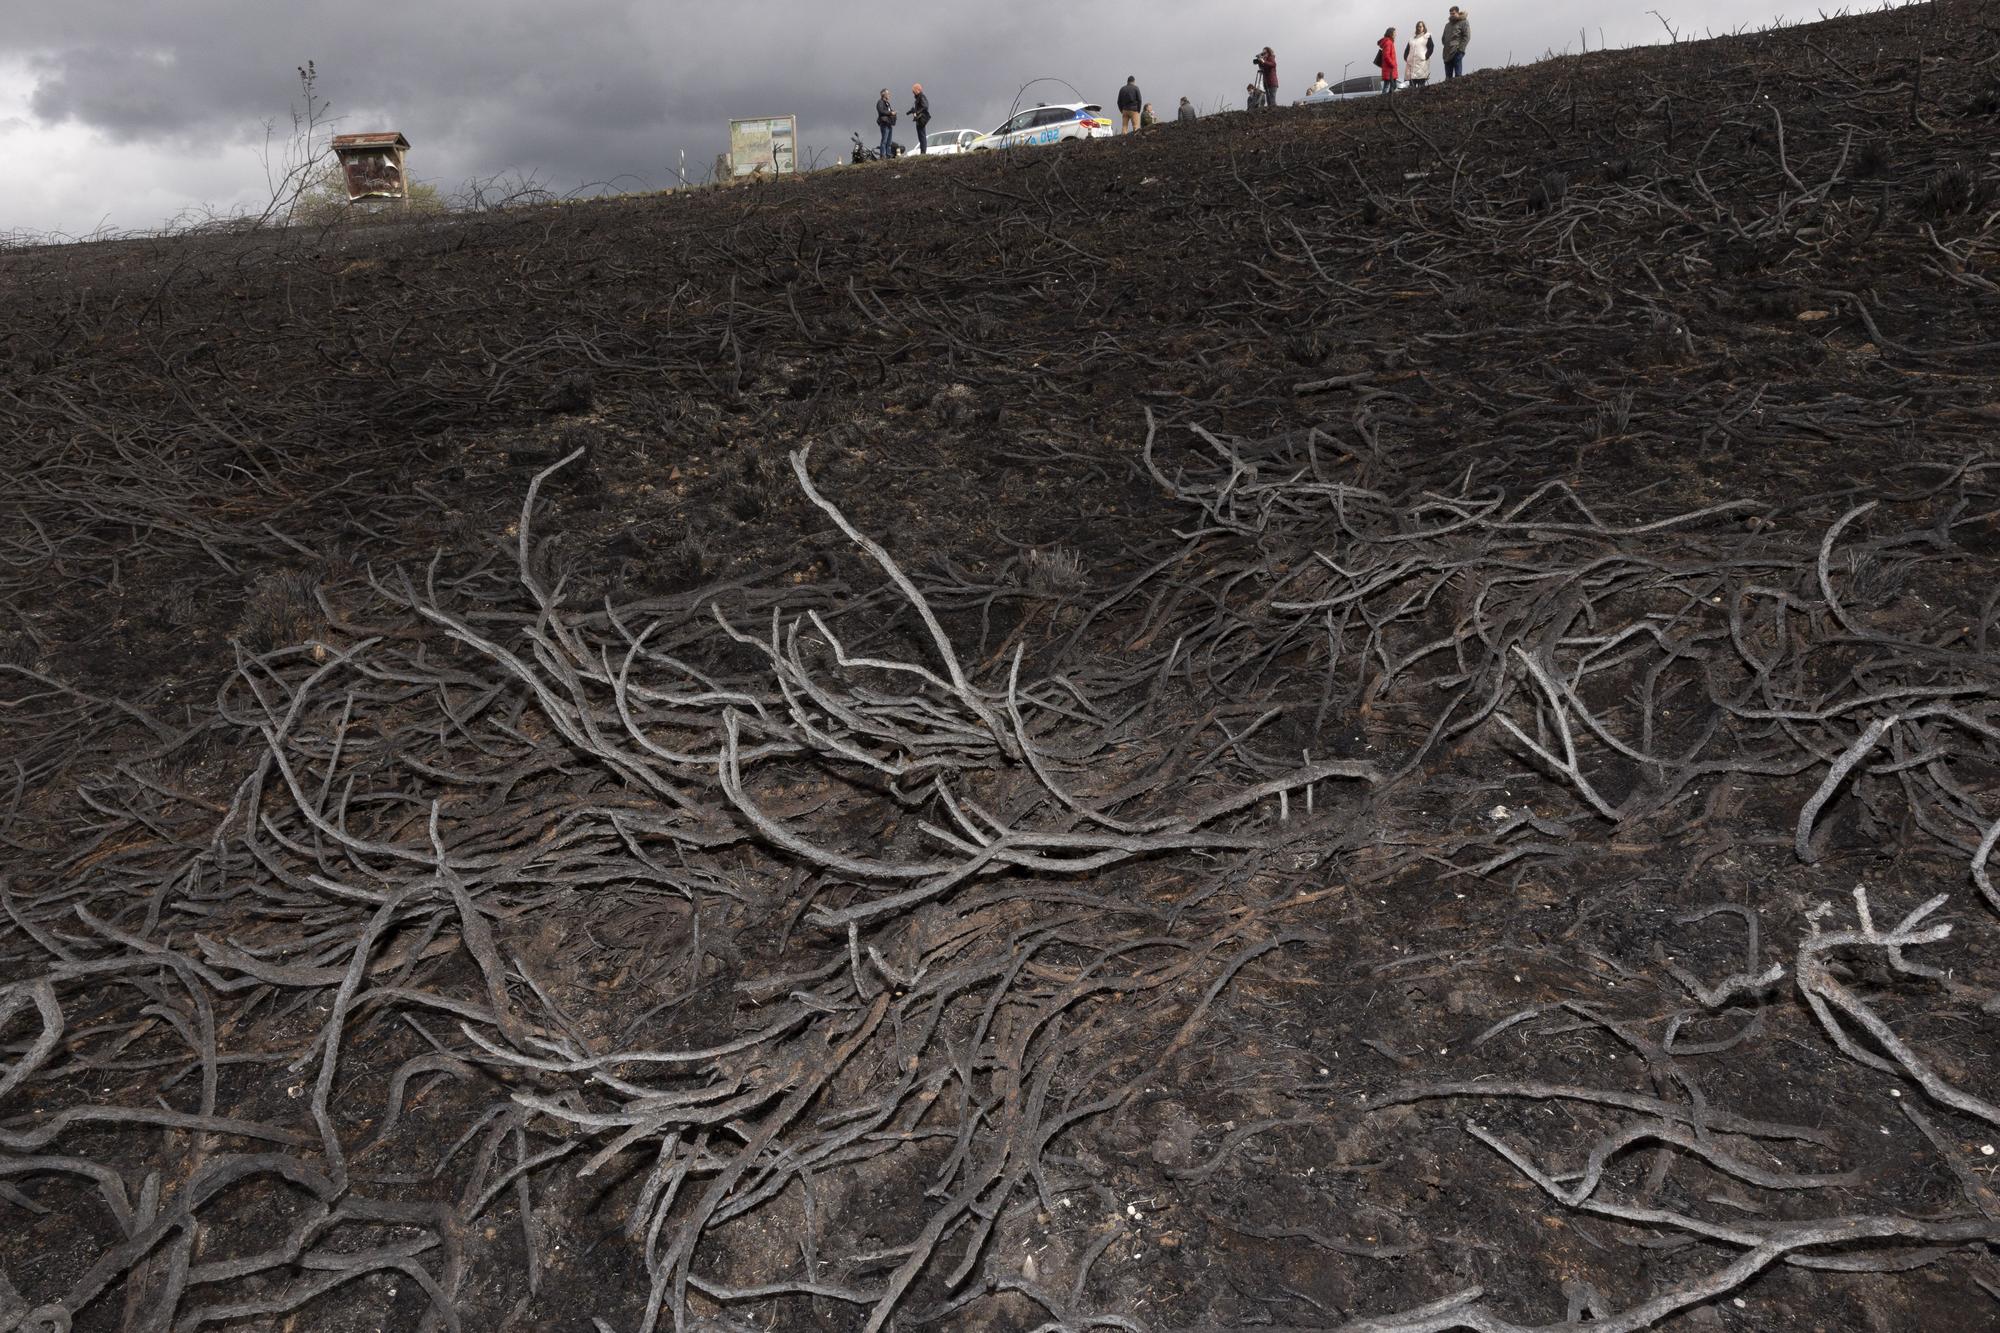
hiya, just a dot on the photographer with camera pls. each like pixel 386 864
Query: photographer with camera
pixel 1267 75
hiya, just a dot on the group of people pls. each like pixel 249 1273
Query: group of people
pixel 1415 65
pixel 885 120
pixel 1412 64
pixel 1136 113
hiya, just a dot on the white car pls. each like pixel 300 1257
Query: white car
pixel 1365 85
pixel 943 143
pixel 1048 124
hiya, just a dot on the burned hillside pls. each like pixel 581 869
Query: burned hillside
pixel 1383 717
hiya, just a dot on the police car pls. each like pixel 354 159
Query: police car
pixel 1365 85
pixel 944 143
pixel 1048 124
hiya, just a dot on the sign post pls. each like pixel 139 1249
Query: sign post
pixel 766 145
pixel 372 165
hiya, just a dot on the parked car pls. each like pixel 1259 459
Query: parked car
pixel 1048 124
pixel 1363 85
pixel 947 142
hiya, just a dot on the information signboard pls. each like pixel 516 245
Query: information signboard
pixel 766 143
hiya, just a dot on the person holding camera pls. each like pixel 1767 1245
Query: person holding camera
pixel 1267 75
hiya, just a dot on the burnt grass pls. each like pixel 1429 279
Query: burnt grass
pixel 1419 749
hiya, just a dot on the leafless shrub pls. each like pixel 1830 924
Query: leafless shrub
pixel 280 610
pixel 1548 191
pixel 1614 418
pixel 1953 191
pixel 1054 572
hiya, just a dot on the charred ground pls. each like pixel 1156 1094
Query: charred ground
pixel 1424 666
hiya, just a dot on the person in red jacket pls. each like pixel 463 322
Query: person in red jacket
pixel 1267 75
pixel 1385 60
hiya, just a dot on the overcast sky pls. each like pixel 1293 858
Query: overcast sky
pixel 129 113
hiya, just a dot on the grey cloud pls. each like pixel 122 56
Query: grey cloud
pixel 588 90
pixel 122 92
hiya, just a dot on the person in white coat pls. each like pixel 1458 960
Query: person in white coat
pixel 1417 56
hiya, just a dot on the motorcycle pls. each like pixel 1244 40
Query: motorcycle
pixel 863 153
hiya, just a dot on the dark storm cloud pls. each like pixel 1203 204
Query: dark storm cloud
pixel 588 90
pixel 577 91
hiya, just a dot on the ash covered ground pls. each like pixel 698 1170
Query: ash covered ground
pixel 1385 718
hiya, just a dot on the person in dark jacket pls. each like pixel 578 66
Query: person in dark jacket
pixel 1267 75
pixel 1186 115
pixel 1130 101
pixel 920 115
pixel 1253 97
pixel 1457 36
pixel 885 117
pixel 1385 60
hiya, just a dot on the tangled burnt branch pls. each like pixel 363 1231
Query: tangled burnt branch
pixel 1074 845
pixel 935 1004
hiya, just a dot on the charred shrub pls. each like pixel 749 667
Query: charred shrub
pixel 583 479
pixel 279 611
pixel 761 473
pixel 1054 572
pixel 17 649
pixel 1773 300
pixel 1985 101
pixel 180 607
pixel 1618 170
pixel 684 564
pixel 954 405
pixel 1308 349
pixel 574 392
pixel 1614 418
pixel 1547 192
pixel 1872 160
pixel 1734 256
pixel 1953 192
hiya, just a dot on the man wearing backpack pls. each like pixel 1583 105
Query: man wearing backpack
pixel 1130 101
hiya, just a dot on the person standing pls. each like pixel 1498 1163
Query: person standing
pixel 1186 115
pixel 1385 60
pixel 1130 100
pixel 885 118
pixel 1267 75
pixel 1417 56
pixel 920 116
pixel 1457 36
